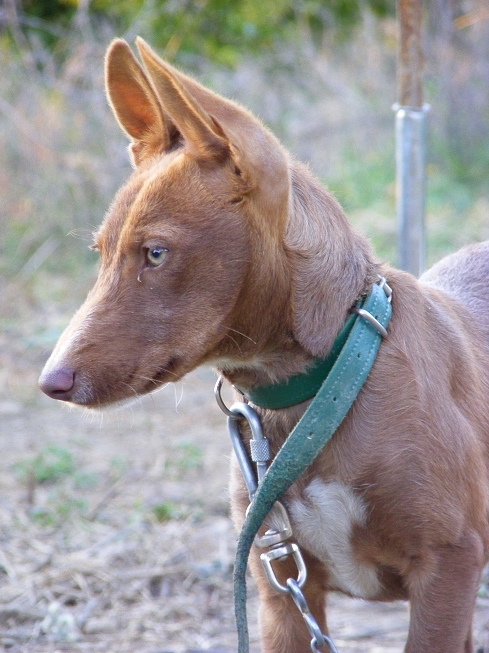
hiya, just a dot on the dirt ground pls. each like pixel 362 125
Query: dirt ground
pixel 115 536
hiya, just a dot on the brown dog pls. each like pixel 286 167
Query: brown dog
pixel 222 250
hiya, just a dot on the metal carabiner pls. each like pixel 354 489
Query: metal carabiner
pixel 259 445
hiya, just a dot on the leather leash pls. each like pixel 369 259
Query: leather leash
pixel 314 430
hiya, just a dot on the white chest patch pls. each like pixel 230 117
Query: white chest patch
pixel 323 524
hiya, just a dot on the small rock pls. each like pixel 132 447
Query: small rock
pixel 60 624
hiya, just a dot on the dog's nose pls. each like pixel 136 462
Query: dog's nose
pixel 58 383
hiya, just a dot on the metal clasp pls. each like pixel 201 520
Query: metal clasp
pixel 280 531
pixel 259 446
pixel 281 553
pixel 277 518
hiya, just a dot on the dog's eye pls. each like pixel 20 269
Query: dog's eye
pixel 156 256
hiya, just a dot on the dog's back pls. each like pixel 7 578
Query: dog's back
pixel 465 275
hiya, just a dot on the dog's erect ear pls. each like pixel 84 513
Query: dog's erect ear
pixel 135 103
pixel 203 135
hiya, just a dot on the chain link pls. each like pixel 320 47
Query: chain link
pixel 319 639
pixel 275 537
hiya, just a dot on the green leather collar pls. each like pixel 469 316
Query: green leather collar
pixel 304 386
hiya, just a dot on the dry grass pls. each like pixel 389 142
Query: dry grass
pixel 120 540
pixel 123 541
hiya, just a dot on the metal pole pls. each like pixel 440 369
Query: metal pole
pixel 410 140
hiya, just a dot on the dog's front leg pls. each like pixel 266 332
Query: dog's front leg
pixel 443 601
pixel 282 627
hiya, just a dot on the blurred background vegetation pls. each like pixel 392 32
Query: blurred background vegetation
pixel 320 73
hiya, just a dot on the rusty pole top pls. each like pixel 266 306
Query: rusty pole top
pixel 410 64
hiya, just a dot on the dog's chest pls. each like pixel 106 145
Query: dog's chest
pixel 323 522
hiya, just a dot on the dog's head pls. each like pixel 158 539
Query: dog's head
pixel 195 265
pixel 176 245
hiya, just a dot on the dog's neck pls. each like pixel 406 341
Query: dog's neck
pixel 326 267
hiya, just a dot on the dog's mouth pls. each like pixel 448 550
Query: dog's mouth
pixel 66 384
pixel 128 389
pixel 165 374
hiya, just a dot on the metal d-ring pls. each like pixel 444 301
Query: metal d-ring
pixel 219 399
pixel 382 282
pixel 371 319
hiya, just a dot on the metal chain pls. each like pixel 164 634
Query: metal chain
pixel 275 537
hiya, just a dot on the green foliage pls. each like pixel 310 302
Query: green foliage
pixel 165 511
pixel 119 466
pixel 215 29
pixel 48 466
pixel 362 181
pixel 456 203
pixel 54 468
pixel 59 10
pixel 58 511
pixel 187 456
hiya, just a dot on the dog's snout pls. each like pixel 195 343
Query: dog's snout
pixel 58 383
